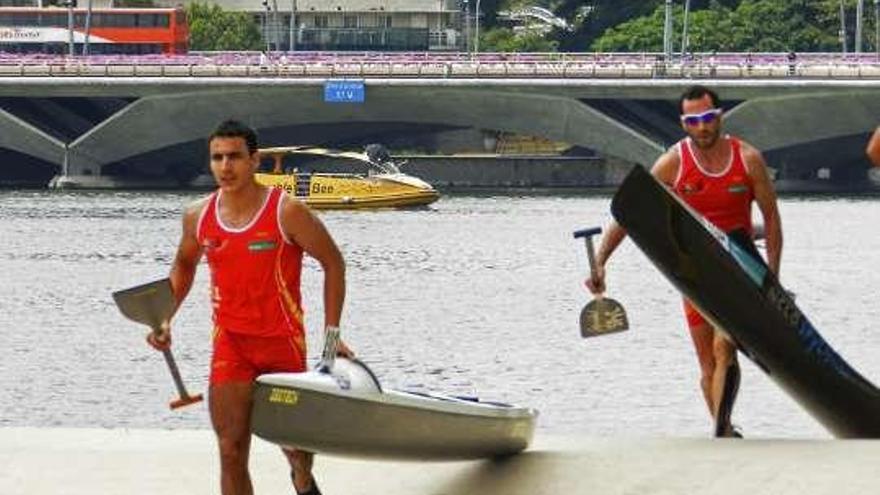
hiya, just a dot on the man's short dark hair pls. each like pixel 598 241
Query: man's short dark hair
pixel 236 129
pixel 697 92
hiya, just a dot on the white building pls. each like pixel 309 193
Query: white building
pixel 353 25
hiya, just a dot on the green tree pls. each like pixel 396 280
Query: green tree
pixel 642 34
pixel 775 26
pixel 211 28
pixel 747 25
pixel 507 40
pixel 601 15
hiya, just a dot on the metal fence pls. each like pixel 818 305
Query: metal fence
pixel 447 65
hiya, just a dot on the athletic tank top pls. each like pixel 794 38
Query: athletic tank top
pixel 724 198
pixel 255 271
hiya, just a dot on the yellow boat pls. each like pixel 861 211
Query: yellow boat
pixel 381 185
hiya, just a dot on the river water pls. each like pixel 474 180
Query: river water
pixel 476 295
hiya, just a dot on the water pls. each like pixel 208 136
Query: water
pixel 476 295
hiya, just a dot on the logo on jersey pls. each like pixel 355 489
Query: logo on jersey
pixel 261 245
pixel 737 188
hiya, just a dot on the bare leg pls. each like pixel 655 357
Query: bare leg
pixel 725 383
pixel 230 406
pixel 301 467
pixel 703 337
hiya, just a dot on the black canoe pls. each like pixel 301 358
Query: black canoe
pixel 739 294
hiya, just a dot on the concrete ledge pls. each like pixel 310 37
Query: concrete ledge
pixel 111 182
pixel 170 462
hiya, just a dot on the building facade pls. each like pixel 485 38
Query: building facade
pixel 354 25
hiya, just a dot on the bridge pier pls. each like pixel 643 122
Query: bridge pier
pixel 84 182
pixel 92 181
pixel 80 174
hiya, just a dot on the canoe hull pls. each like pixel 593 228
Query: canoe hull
pixel 741 296
pixel 369 423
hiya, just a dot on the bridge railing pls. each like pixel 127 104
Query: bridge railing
pixel 447 65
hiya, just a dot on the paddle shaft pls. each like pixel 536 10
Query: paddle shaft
pixel 184 398
pixel 591 254
pixel 588 234
pixel 175 374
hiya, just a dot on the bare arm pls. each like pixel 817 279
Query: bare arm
pixel 873 149
pixel 665 169
pixel 183 270
pixel 765 196
pixel 189 252
pixel 305 229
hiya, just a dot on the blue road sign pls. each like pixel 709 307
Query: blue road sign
pixel 343 91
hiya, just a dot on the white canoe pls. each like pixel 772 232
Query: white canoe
pixel 346 412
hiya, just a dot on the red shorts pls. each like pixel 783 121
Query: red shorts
pixel 241 358
pixel 694 318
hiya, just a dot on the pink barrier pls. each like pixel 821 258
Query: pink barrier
pixel 436 59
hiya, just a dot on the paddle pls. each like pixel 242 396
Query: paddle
pixel 152 304
pixel 602 315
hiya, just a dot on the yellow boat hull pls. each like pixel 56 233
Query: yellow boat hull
pixel 349 191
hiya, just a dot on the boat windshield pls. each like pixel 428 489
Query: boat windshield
pixel 380 158
pixel 374 161
pixel 385 167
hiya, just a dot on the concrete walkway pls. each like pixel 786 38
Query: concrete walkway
pixel 101 461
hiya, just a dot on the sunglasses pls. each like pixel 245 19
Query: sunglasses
pixel 707 117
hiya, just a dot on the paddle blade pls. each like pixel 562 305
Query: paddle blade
pixel 603 316
pixel 150 304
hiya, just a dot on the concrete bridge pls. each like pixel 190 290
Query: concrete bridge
pixel 108 121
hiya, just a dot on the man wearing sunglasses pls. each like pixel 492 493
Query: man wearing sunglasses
pixel 719 176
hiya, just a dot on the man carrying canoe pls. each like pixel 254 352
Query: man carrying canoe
pixel 254 238
pixel 719 176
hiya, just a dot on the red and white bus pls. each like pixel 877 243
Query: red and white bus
pixel 124 30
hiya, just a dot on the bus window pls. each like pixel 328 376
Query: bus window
pixel 127 20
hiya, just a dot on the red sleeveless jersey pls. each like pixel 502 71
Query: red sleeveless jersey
pixel 255 271
pixel 724 198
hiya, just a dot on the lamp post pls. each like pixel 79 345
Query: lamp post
pixel 477 28
pixel 667 31
pixel 275 24
pixel 70 4
pixel 88 27
pixel 860 9
pixel 877 27
pixel 842 33
pixel 266 24
pixel 684 30
pixel 467 26
pixel 292 41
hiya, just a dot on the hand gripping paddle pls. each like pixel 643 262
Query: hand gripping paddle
pixel 152 304
pixel 602 315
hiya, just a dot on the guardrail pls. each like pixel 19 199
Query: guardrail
pixel 409 65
